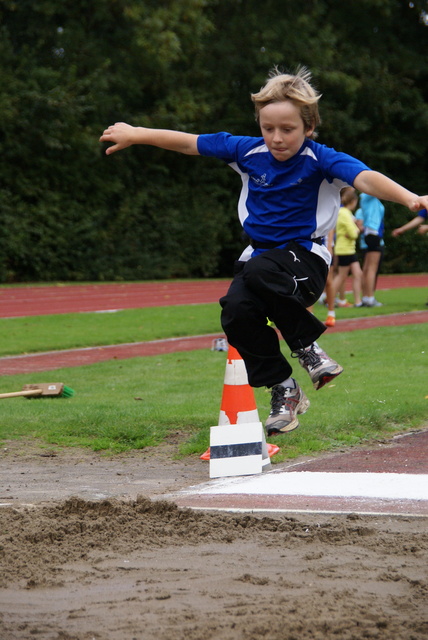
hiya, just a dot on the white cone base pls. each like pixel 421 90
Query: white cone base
pixel 238 450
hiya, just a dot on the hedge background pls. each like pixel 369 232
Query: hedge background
pixel 70 69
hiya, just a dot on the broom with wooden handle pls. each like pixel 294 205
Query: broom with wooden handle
pixel 41 390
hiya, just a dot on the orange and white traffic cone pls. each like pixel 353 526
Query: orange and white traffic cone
pixel 238 405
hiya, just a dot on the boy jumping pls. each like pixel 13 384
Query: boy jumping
pixel 289 201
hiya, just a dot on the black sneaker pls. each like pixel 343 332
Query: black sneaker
pixel 321 368
pixel 286 404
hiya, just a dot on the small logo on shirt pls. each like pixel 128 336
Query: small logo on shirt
pixel 262 181
pixel 299 181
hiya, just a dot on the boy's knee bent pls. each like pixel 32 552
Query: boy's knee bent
pixel 234 311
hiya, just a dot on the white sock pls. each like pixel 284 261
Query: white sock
pixel 331 313
pixel 290 383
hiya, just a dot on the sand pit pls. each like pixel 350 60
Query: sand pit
pixel 139 567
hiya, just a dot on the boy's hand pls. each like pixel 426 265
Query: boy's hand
pixel 421 202
pixel 121 133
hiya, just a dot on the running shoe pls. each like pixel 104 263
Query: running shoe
pixel 330 322
pixel 286 405
pixel 321 368
pixel 371 303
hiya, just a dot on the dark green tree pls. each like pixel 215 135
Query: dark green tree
pixel 70 69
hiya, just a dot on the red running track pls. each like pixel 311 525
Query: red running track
pixel 51 360
pixel 22 301
pixel 43 300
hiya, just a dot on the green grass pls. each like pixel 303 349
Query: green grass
pixel 74 330
pixel 394 300
pixel 69 331
pixel 120 405
pixel 141 402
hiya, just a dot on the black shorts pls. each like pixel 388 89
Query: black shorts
pixel 372 242
pixel 345 261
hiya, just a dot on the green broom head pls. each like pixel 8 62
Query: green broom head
pixel 48 390
pixel 67 392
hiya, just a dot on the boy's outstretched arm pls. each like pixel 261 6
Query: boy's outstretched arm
pixel 124 135
pixel 378 185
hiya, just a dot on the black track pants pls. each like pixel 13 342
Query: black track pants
pixel 278 284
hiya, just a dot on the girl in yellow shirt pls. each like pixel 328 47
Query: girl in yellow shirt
pixel 347 233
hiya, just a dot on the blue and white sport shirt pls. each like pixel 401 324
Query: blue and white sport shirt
pixel 297 199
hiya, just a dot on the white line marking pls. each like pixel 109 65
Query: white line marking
pixel 321 512
pixel 398 486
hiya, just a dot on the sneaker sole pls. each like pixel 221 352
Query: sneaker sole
pixel 328 377
pixel 302 407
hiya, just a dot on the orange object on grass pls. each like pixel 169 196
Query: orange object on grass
pixel 238 404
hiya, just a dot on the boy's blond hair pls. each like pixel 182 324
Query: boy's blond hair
pixel 295 87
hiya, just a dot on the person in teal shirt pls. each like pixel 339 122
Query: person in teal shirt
pixel 370 219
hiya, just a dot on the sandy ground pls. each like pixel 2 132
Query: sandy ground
pixel 89 549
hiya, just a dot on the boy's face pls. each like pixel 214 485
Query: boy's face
pixel 283 129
